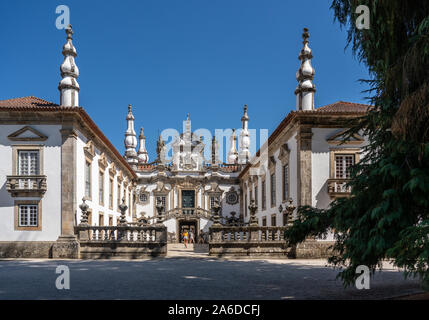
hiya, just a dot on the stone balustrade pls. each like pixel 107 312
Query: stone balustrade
pixel 122 241
pixel 26 186
pixel 248 241
pixel 338 188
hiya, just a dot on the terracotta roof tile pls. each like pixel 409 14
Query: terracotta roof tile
pixel 31 104
pixel 342 106
pixel 339 108
pixel 26 102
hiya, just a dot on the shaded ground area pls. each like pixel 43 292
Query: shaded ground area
pixel 191 278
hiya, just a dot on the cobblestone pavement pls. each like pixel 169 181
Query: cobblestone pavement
pixel 195 277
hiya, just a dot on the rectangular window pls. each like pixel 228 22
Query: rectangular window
pixel 285 216
pixel 256 195
pixel 129 204
pixel 163 201
pixel 28 162
pixel 28 215
pixel 111 193
pixel 285 182
pixel 273 190
pixel 245 205
pixel 101 188
pixel 101 219
pixel 264 221
pixel 264 196
pixel 212 201
pixel 273 220
pixel 143 197
pixel 88 179
pixel 342 166
pixel 118 195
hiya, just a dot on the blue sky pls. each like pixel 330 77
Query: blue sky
pixel 168 58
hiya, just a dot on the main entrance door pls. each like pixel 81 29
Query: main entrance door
pixel 187 226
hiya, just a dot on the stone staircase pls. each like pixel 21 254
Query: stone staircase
pixel 192 250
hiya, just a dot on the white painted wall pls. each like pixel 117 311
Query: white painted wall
pixel 51 201
pixel 94 203
pixel 292 143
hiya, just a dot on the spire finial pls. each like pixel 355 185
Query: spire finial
pixel 233 154
pixel 305 35
pixel 130 140
pixel 244 155
pixel 142 155
pixel 305 89
pixel 68 86
pixel 187 116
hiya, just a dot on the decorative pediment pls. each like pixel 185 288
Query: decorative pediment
pixel 89 149
pixel 161 188
pixel 284 152
pixel 102 161
pixel 214 189
pixel 27 133
pixel 338 138
pixel 271 162
pixel 112 169
pixel 120 176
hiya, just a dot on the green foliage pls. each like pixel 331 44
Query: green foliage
pixel 387 215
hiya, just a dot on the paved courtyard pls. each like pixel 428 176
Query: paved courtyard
pixel 191 277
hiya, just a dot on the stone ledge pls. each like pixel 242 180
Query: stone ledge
pixel 26 249
pixel 121 250
pixel 313 249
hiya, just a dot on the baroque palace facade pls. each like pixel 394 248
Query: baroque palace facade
pixel 54 157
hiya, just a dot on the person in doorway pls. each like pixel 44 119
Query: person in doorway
pixel 185 238
pixel 191 236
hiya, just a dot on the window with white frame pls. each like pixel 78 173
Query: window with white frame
pixel 111 193
pixel 28 215
pixel 285 182
pixel 143 197
pixel 273 189
pixel 163 201
pixel 256 195
pixel 264 195
pixel 101 188
pixel 28 162
pixel 343 162
pixel 88 179
pixel 212 200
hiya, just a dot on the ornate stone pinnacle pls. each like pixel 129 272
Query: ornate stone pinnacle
pixel 84 217
pixel 305 35
pixel 123 207
pixel 252 208
pixel 159 209
pixel 69 32
pixel 290 208
pixel 215 212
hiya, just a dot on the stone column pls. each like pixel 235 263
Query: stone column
pixel 67 245
pixel 304 166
